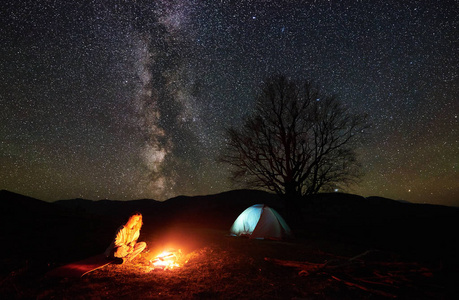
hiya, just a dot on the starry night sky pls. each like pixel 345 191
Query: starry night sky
pixel 123 100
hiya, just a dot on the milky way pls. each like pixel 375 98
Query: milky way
pixel 129 99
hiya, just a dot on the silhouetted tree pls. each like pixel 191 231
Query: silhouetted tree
pixel 297 142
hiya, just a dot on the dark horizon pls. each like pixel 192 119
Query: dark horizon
pixel 337 194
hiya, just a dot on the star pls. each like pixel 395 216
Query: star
pixel 130 100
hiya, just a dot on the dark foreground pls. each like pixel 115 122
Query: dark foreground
pixel 346 247
pixel 222 267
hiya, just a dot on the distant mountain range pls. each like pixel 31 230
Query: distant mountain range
pixel 222 207
pixel 372 222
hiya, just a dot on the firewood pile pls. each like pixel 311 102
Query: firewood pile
pixel 383 277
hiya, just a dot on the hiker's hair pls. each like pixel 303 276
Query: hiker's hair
pixel 140 223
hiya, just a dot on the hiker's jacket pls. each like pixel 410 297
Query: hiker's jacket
pixel 123 243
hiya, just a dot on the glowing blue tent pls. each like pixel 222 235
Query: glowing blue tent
pixel 261 222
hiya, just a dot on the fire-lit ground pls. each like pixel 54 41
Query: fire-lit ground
pixel 215 266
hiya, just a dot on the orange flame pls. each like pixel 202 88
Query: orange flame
pixel 166 260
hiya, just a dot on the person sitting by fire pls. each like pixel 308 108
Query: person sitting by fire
pixel 125 245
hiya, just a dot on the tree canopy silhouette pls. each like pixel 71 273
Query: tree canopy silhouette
pixel 297 141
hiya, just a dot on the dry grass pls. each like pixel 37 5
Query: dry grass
pixel 221 267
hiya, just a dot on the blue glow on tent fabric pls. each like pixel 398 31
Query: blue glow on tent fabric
pixel 260 221
pixel 247 220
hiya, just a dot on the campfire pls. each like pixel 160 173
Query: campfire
pixel 167 260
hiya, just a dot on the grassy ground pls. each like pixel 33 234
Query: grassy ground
pixel 222 267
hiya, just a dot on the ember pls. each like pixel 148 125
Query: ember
pixel 167 260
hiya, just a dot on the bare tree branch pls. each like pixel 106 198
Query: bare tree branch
pixel 297 141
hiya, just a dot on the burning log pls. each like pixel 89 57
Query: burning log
pixel 167 260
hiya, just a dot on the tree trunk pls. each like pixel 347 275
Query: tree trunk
pixel 291 201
